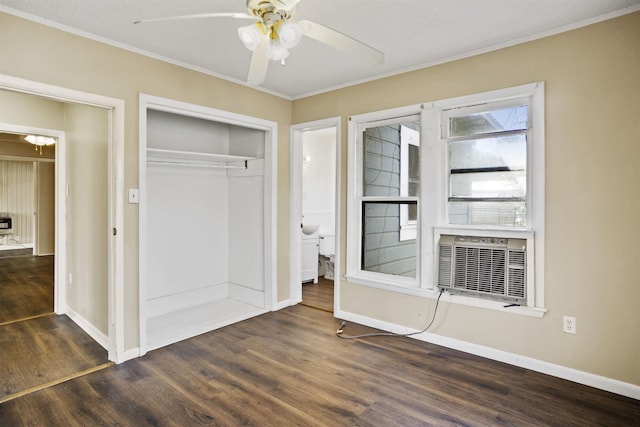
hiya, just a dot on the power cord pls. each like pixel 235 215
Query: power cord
pixel 340 330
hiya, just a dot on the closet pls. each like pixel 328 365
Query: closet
pixel 204 231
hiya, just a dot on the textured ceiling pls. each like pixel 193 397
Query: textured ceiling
pixel 411 33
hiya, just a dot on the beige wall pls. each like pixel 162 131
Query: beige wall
pixel 592 147
pixel 45 208
pixel 592 151
pixel 81 64
pixel 86 131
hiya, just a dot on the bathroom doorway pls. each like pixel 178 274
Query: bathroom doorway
pixel 315 207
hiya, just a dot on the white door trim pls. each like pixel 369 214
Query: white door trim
pixel 147 102
pixel 295 207
pixel 115 107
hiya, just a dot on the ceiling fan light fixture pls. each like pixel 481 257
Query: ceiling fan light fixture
pixel 40 140
pixel 277 50
pixel 289 34
pixel 250 36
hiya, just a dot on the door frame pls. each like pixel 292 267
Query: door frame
pixel 115 109
pixel 295 207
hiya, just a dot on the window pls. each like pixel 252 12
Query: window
pixel 471 166
pixel 387 194
pixel 487 164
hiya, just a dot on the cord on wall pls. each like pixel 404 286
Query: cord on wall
pixel 340 330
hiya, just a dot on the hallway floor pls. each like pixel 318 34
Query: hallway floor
pixel 318 295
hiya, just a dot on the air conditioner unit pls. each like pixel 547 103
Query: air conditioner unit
pixel 485 267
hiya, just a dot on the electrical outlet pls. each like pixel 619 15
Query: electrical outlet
pixel 569 324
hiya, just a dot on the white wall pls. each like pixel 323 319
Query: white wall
pixel 205 226
pixel 319 179
pixel 246 232
pixel 187 229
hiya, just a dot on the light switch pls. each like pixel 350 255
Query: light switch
pixel 134 195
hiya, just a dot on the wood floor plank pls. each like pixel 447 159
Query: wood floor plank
pixel 288 368
pixel 318 295
pixel 42 350
pixel 26 287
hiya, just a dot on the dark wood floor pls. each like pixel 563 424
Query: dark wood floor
pixel 26 287
pixel 318 295
pixel 41 350
pixel 288 368
pixel 36 346
pixel 10 253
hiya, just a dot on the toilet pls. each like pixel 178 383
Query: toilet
pixel 326 250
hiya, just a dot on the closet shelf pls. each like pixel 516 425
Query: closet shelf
pixel 160 156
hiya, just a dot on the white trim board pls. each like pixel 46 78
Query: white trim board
pixel 570 374
pixel 97 335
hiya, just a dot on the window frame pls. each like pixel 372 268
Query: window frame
pixel 408 227
pixel 434 192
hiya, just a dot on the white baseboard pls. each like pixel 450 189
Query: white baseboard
pixel 580 377
pixel 248 295
pixel 16 246
pixel 86 326
pixel 170 303
pixel 132 353
pixel 284 304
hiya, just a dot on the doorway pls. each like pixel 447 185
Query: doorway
pixel 79 106
pixel 27 220
pixel 315 212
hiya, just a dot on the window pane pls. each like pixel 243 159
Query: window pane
pixel 382 249
pixel 413 171
pixel 384 148
pixel 487 213
pixel 511 184
pixel 504 119
pixel 506 152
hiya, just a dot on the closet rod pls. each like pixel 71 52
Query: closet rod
pixel 198 165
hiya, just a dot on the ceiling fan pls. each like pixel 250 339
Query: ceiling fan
pixel 274 33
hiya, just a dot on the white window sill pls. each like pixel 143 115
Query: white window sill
pixel 392 287
pixel 537 312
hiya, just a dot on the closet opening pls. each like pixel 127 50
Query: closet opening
pixel 207 220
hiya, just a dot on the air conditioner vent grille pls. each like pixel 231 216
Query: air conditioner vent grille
pixel 444 267
pixel 484 267
pixel 517 279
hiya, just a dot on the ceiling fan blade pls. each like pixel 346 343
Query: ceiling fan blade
pixel 259 63
pixel 197 16
pixel 339 41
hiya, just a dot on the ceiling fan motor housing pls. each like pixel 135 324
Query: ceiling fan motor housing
pixel 271 11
